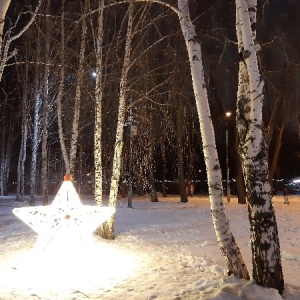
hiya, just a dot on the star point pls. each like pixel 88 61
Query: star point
pixel 66 215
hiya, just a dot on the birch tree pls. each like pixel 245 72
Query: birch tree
pixel 7 39
pixel 24 138
pixel 266 259
pixel 107 229
pixel 79 80
pixel 5 55
pixel 35 140
pixel 224 235
pixel 36 123
pixel 45 100
pixel 8 123
pixel 98 108
pixel 61 88
pixel 70 157
pixel 4 4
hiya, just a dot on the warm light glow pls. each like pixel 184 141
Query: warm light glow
pixel 66 216
pixel 67 256
pixel 58 272
pixel 68 177
pixel 228 114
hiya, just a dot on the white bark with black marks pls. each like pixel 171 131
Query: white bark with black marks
pixel 35 142
pixel 225 238
pixel 266 259
pixel 44 171
pixel 98 107
pixel 4 4
pixel 61 88
pixel 116 170
pixel 24 137
pixel 77 104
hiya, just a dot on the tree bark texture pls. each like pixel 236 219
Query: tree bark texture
pixel 109 226
pixel 266 258
pixel 44 172
pixel 4 4
pixel 36 127
pixel 79 80
pixel 61 87
pixel 24 137
pixel 98 107
pixel 224 235
pixel 180 152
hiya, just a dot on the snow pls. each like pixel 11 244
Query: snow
pixel 163 250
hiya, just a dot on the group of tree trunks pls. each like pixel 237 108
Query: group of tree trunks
pixel 141 79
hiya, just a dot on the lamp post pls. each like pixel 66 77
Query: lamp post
pixel 227 115
pixel 133 133
pixel 129 195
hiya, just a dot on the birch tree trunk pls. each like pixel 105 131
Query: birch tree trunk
pixel 44 173
pixel 109 226
pixel 10 139
pixel 79 79
pixel 24 137
pixel 266 259
pixel 151 180
pixel 35 143
pixel 98 108
pixel 61 91
pixel 36 125
pixel 5 133
pixel 3 144
pixel 4 4
pixel 224 236
pixel 180 116
pixel 70 156
pixel 2 156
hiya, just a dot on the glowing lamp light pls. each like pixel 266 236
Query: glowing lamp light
pixel 228 114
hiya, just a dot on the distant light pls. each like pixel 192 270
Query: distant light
pixel 94 74
pixel 228 114
pixel 296 180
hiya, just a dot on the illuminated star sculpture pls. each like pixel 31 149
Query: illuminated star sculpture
pixel 65 216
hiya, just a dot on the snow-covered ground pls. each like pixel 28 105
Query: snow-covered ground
pixel 164 250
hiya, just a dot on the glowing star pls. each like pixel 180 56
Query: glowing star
pixel 65 217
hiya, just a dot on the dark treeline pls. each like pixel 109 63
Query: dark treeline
pixel 165 143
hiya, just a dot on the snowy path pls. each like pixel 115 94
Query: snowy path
pixel 165 250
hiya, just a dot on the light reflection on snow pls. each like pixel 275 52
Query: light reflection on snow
pixel 66 256
pixel 74 267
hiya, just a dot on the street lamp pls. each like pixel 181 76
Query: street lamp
pixel 227 115
pixel 129 195
pixel 133 133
